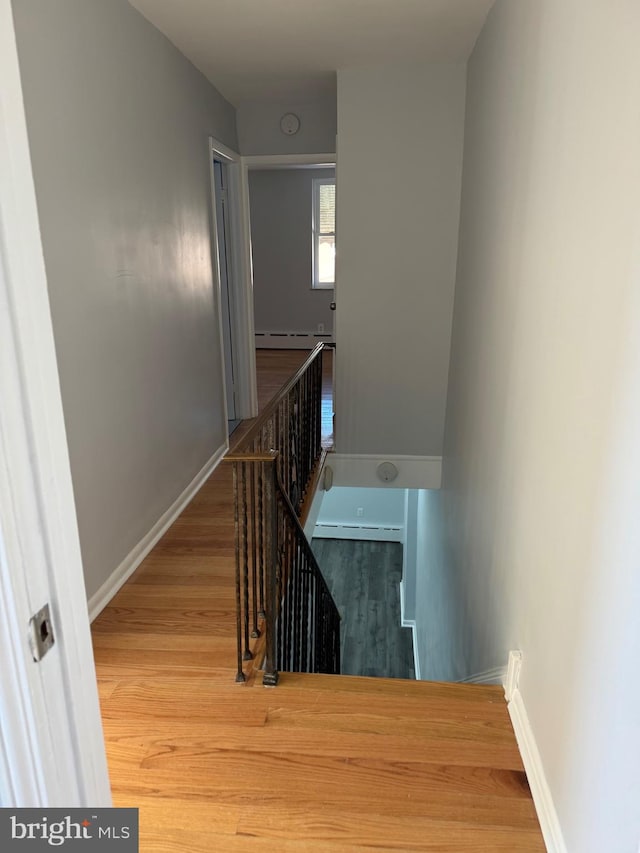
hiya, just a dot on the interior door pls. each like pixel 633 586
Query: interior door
pixel 226 278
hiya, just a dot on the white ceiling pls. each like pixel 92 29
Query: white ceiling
pixel 254 49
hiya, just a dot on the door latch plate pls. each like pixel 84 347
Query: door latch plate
pixel 41 633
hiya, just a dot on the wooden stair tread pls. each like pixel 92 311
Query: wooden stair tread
pixel 393 686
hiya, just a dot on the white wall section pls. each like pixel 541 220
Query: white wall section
pixel 399 167
pixel 536 524
pixel 443 616
pixel 361 470
pixel 360 513
pixel 118 126
pixel 259 126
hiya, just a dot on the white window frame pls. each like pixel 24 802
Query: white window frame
pixel 315 283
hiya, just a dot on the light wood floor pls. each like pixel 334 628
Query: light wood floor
pixel 274 367
pixel 321 763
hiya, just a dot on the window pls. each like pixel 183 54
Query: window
pixel 324 232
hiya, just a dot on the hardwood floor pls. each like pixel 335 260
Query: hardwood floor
pixel 364 579
pixel 321 763
pixel 274 367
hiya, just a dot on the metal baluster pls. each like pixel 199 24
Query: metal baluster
pixel 305 614
pixel 304 430
pixel 338 640
pixel 316 631
pixel 261 538
pixel 279 581
pixel 296 606
pixel 245 560
pixel 254 568
pixel 318 407
pixel 270 678
pixel 287 600
pixel 282 591
pixel 240 674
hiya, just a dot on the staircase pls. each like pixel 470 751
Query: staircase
pixel 323 763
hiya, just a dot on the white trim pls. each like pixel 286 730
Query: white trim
pixel 127 567
pixel 414 472
pixel 49 711
pixel 314 511
pixel 291 340
pixel 416 657
pixel 290 161
pixel 242 308
pixel 406 623
pixel 512 676
pixel 411 623
pixel 360 532
pixel 223 151
pixel 540 791
pixel 496 675
pixel 247 394
pixel 214 149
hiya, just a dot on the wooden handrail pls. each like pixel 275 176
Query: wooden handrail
pixel 265 456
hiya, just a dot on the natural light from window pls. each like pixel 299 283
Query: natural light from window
pixel 324 232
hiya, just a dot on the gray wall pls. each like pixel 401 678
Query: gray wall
pixel 259 126
pixel 118 125
pixel 535 532
pixel 379 506
pixel 400 136
pixel 281 241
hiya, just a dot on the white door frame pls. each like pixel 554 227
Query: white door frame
pixel 51 743
pixel 223 263
pixel 289 161
pixel 242 325
pixel 242 319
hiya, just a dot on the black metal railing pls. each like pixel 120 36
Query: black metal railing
pixel 285 612
pixel 307 630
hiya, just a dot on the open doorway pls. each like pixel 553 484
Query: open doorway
pixel 293 213
pixel 224 243
pixel 231 255
pixel 292 232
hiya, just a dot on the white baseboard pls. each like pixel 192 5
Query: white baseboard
pixel 512 678
pixel 291 340
pixel 127 567
pixel 540 791
pixel 416 657
pixel 365 532
pixel 497 675
pixel 404 622
pixel 410 623
pixel 414 472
